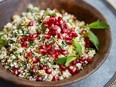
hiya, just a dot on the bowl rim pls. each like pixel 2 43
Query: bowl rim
pixel 58 83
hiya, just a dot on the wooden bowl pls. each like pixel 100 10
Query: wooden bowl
pixel 82 11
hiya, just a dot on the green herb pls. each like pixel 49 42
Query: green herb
pixel 93 39
pixel 2 43
pixel 77 46
pixel 65 60
pixel 69 60
pixel 61 60
pixel 98 25
pixel 43 28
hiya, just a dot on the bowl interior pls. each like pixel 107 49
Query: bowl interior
pixel 83 12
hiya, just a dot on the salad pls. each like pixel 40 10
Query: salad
pixel 47 45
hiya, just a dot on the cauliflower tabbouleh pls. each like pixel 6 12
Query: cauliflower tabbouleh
pixel 45 45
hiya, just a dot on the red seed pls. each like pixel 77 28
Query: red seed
pixel 50 52
pixel 63 52
pixel 67 37
pixel 77 60
pixel 44 67
pixel 69 42
pixel 30 36
pixel 47 36
pixel 83 59
pixel 74 62
pixel 31 23
pixel 62 68
pixel 73 69
pixel 24 45
pixel 35 35
pixel 15 71
pixel 74 34
pixel 57 49
pixel 87 40
pixel 55 78
pixel 35 60
pixel 55 55
pixel 42 47
pixel 89 59
pixel 60 36
pixel 60 21
pixel 39 78
pixel 29 54
pixel 48 47
pixel 43 51
pixel 48 71
pixel 24 39
pixel 52 19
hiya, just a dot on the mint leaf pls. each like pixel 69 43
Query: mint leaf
pixel 93 39
pixel 2 43
pixel 69 60
pixel 77 46
pixel 98 25
pixel 65 60
pixel 43 28
pixel 61 60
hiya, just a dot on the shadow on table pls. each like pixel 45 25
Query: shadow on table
pixel 7 84
pixel 109 6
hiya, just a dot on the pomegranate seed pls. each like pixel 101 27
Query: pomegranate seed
pixel 44 67
pixel 74 62
pixel 15 71
pixel 63 52
pixel 60 20
pixel 30 36
pixel 35 60
pixel 77 60
pixel 87 45
pixel 31 23
pixel 89 59
pixel 81 62
pixel 57 49
pixel 69 42
pixel 83 59
pixel 87 40
pixel 39 78
pixel 68 38
pixel 29 54
pixel 49 47
pixel 35 35
pixel 48 71
pixel 72 69
pixel 52 19
pixel 47 36
pixel 43 51
pixel 50 52
pixel 24 39
pixel 62 68
pixel 55 55
pixel 55 78
pixel 42 47
pixel 24 45
pixel 59 36
pixel 56 29
pixel 74 34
